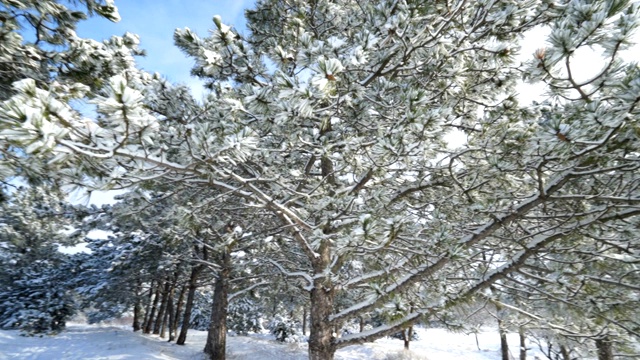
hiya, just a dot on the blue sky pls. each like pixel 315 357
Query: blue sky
pixel 155 20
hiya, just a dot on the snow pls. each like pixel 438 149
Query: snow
pixel 87 342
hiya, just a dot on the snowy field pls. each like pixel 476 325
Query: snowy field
pixel 86 342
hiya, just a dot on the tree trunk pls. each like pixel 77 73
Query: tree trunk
pixel 137 309
pixel 321 341
pixel 304 320
pixel 168 313
pixel 149 325
pixel 523 343
pixel 407 334
pixel 166 320
pixel 216 346
pixel 186 318
pixel 361 323
pixel 504 345
pixel 147 310
pixel 321 346
pixel 163 308
pixel 566 354
pixel 171 310
pixel 605 350
pixel 174 324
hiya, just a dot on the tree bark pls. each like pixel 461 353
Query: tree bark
pixel 566 354
pixel 174 324
pixel 186 318
pixel 523 343
pixel 321 340
pixel 149 325
pixel 407 334
pixel 166 320
pixel 504 345
pixel 216 346
pixel 137 309
pixel 171 314
pixel 605 349
pixel 147 309
pixel 163 308
pixel 168 312
pixel 304 320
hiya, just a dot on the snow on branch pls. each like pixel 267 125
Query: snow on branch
pixel 537 243
pixel 298 274
pixel 232 297
pixel 378 332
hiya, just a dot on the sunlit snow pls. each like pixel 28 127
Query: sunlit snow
pixel 88 342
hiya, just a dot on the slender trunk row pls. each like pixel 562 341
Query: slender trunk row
pixel 164 310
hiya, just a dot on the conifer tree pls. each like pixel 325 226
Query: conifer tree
pixel 330 117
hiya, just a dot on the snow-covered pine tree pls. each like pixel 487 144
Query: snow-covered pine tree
pixel 40 44
pixel 35 288
pixel 353 117
pixel 31 29
pixel 331 115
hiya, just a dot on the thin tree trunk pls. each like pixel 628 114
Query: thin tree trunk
pixel 304 320
pixel 186 318
pixel 566 354
pixel 174 324
pixel 523 343
pixel 163 308
pixel 149 325
pixel 605 349
pixel 171 309
pixel 137 309
pixel 147 310
pixel 504 345
pixel 216 346
pixel 166 320
pixel 407 334
pixel 361 321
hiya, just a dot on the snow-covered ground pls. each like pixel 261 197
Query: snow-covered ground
pixel 92 342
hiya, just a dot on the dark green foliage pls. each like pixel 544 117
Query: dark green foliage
pixel 284 328
pixel 244 317
pixel 36 299
pixel 201 314
pixel 35 279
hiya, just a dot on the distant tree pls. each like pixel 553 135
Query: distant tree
pixel 35 287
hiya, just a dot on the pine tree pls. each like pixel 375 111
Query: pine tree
pixel 330 118
pixel 35 288
pixel 40 44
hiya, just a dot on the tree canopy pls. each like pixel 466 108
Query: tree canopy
pixel 326 123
